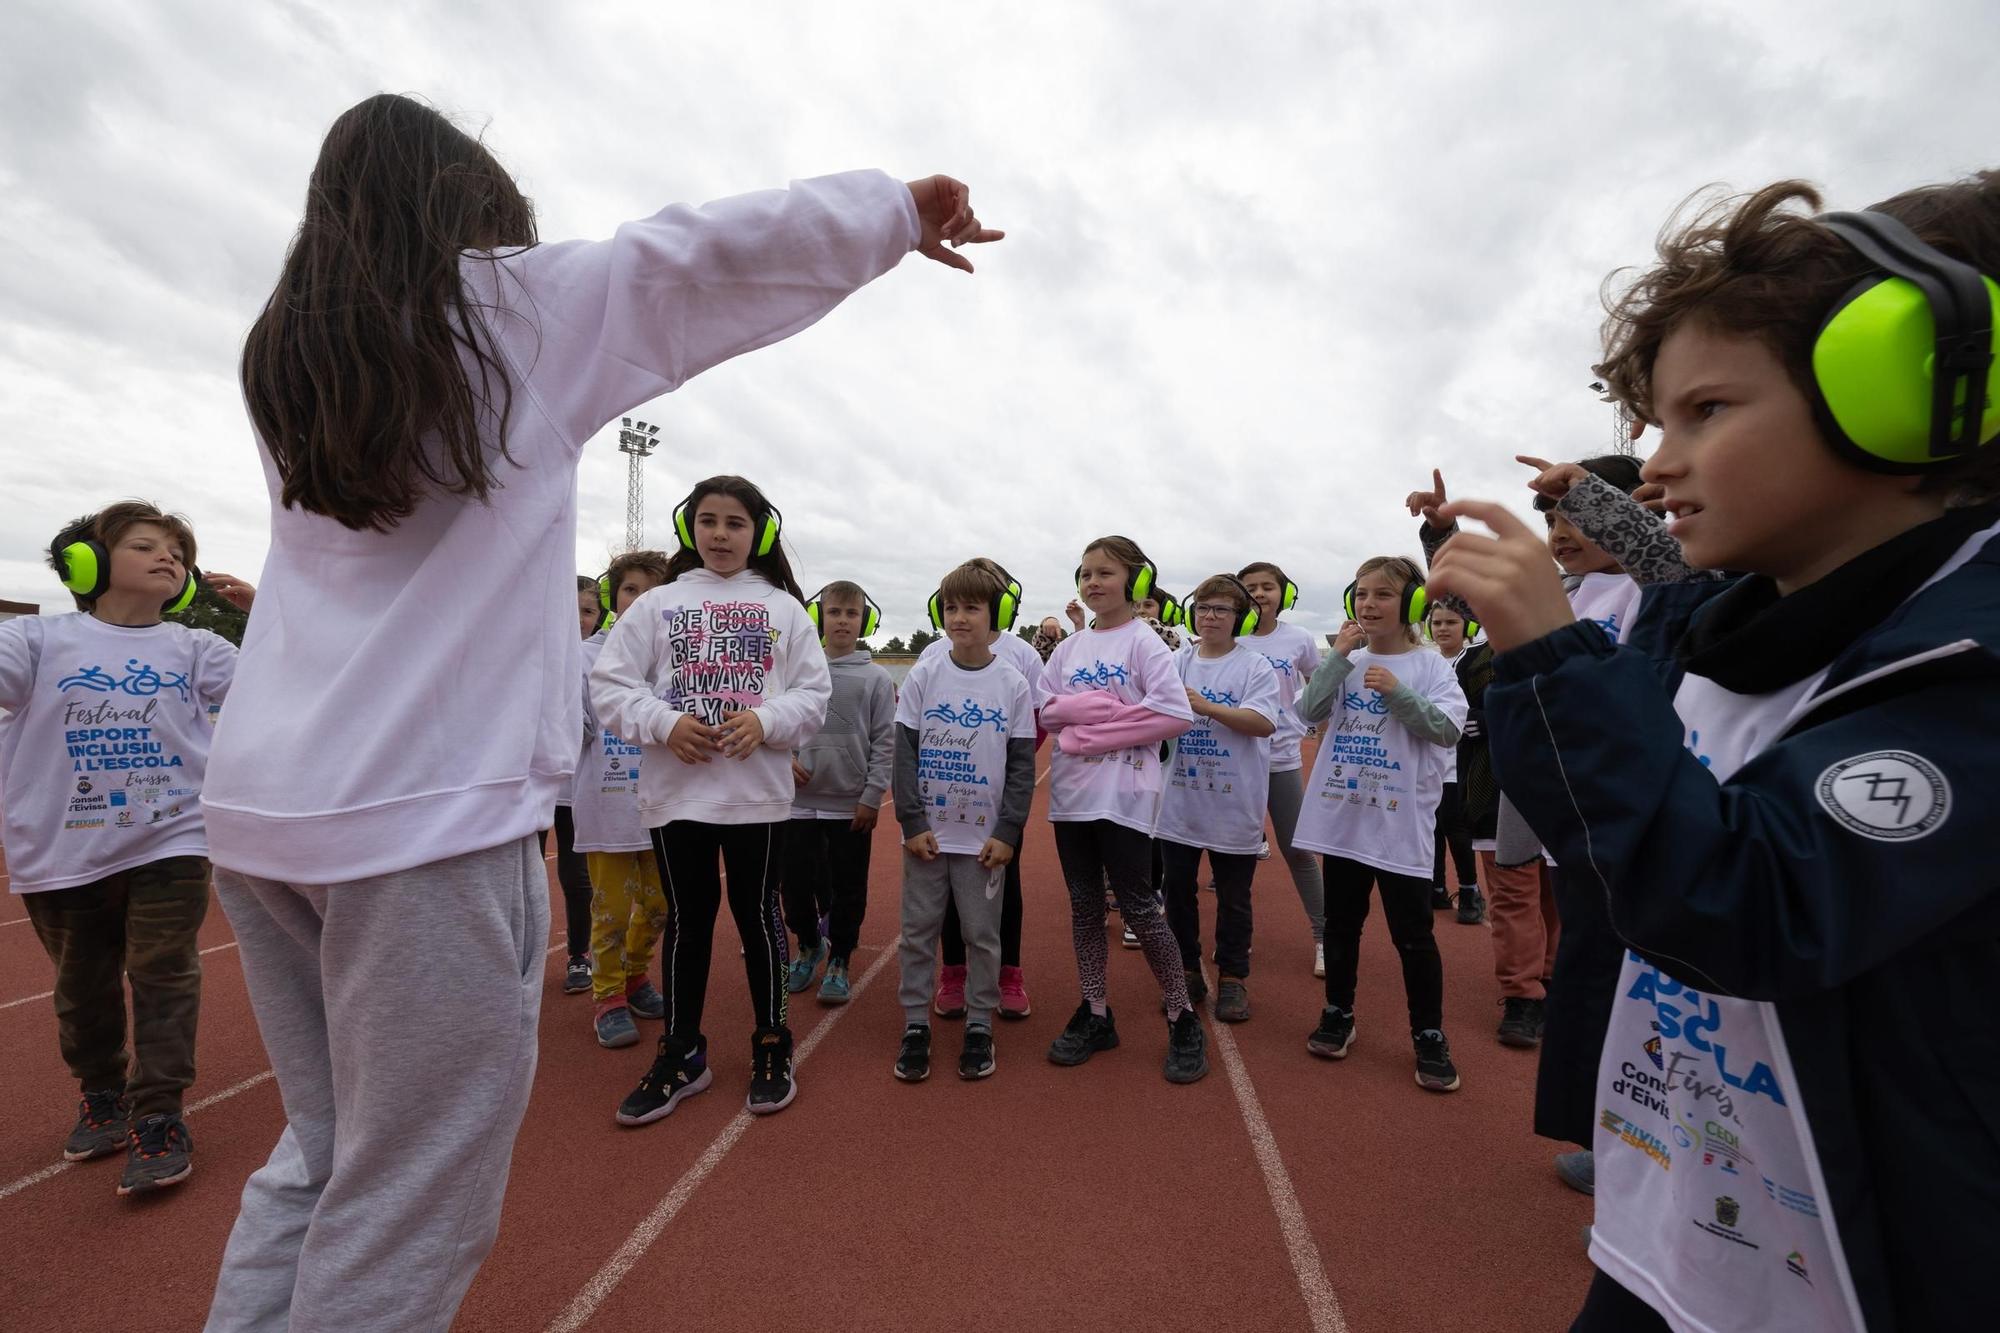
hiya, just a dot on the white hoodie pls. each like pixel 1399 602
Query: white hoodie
pixel 697 646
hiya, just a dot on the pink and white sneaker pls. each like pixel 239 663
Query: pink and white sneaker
pixel 1013 994
pixel 950 1002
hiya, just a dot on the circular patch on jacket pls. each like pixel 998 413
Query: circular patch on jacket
pixel 1889 795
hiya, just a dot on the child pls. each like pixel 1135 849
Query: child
pixel 722 659
pixel 1047 635
pixel 847 769
pixel 965 777
pixel 1216 787
pixel 1111 695
pixel 421 382
pixel 1017 654
pixel 104 735
pixel 1450 631
pixel 628 908
pixel 1796 844
pixel 572 864
pixel 1371 803
pixel 1293 654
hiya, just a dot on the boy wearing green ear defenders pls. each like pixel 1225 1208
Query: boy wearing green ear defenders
pixel 102 749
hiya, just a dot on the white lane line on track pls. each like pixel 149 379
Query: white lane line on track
pixel 50 1172
pixel 47 994
pixel 634 1249
pixel 17 921
pixel 1322 1305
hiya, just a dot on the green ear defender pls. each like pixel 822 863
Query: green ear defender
pixel 1248 620
pixel 1171 610
pixel 88 566
pixel 1416 602
pixel 1138 582
pixel 1006 608
pixel 767 528
pixel 1903 368
pixel 871 614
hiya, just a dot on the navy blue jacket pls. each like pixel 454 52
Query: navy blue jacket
pixel 1881 956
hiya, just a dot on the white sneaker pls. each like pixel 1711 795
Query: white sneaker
pixel 1131 940
pixel 1319 960
pixel 1264 850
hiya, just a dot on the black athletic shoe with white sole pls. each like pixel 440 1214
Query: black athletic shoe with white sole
pixel 913 1062
pixel 678 1073
pixel 103 1126
pixel 1334 1034
pixel 772 1086
pixel 1085 1036
pixel 161 1154
pixel 975 1058
pixel 1187 1049
pixel 1435 1071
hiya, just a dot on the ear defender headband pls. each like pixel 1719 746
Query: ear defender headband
pixel 88 574
pixel 1247 619
pixel 1139 582
pixel 1005 609
pixel 1416 602
pixel 871 614
pixel 1471 626
pixel 1172 612
pixel 768 526
pixel 1904 374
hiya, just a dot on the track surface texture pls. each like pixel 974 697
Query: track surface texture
pixel 1281 1192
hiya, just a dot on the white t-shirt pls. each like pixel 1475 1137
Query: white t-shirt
pixel 605 809
pixel 1373 792
pixel 104 744
pixel 963 719
pixel 1218 779
pixel 410 695
pixel 1131 663
pixel 1292 653
pixel 1010 648
pixel 1611 600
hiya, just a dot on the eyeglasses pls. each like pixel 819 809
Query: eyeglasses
pixel 1215 609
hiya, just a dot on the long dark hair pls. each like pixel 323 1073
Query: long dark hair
pixel 774 567
pixel 353 372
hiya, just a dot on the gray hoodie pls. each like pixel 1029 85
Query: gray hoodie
pixel 852 756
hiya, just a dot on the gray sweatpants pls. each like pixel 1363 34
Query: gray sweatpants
pixel 1288 793
pixel 399 1013
pixel 976 890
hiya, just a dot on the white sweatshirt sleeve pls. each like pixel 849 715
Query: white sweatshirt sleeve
pixel 622 682
pixel 795 713
pixel 215 666
pixel 612 324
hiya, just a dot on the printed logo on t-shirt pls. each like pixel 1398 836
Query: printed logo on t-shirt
pixel 140 680
pixel 722 652
pixel 970 715
pixel 1887 795
pixel 1101 674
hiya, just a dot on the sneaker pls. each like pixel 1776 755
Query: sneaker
pixel 1578 1170
pixel 679 1071
pixel 1232 1001
pixel 1197 985
pixel 1521 1022
pixel 1471 907
pixel 950 1002
pixel 803 967
pixel 1131 941
pixel 103 1126
pixel 975 1058
pixel 1319 959
pixel 1264 850
pixel 645 1000
pixel 1187 1049
pixel 771 1084
pixel 1086 1035
pixel 833 987
pixel 615 1028
pixel 1334 1034
pixel 1440 898
pixel 1013 994
pixel 913 1063
pixel 162 1154
pixel 576 974
pixel 1434 1067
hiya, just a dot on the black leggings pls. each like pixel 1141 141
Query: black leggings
pixel 826 870
pixel 687 851
pixel 1406 902
pixel 1589 959
pixel 1609 1308
pixel 1455 833
pixel 1233 873
pixel 1010 922
pixel 573 873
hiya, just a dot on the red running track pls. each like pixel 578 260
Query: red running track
pixel 1041 1198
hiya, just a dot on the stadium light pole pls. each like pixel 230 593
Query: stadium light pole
pixel 637 440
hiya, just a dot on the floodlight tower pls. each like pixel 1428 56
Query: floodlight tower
pixel 1621 422
pixel 637 440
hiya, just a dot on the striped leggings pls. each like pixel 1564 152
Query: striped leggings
pixel 689 852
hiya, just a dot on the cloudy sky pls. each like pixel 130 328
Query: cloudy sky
pixel 1267 262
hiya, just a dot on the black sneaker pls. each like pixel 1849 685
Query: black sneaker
pixel 1187 1049
pixel 1086 1035
pixel 1521 1022
pixel 161 1154
pixel 1232 1001
pixel 771 1084
pixel 975 1058
pixel 913 1063
pixel 1334 1034
pixel 1197 988
pixel 1471 907
pixel 679 1071
pixel 1435 1070
pixel 103 1126
pixel 1440 898
pixel 576 976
